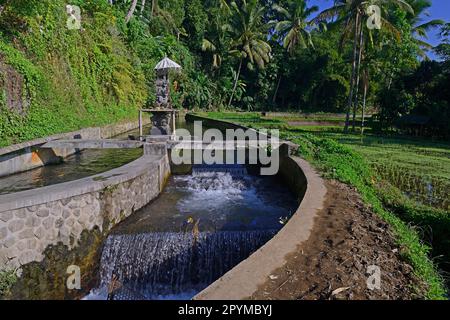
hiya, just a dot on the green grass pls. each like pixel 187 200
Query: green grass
pixel 425 157
pixel 7 280
pixel 418 167
pixel 350 165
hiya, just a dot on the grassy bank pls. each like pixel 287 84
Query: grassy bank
pixel 350 166
pixel 60 79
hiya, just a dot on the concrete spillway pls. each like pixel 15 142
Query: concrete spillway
pixel 201 226
pixel 170 264
pixel 92 144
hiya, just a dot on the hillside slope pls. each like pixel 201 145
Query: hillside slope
pixel 54 79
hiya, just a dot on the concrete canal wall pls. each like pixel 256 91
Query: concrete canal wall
pixel 27 155
pixel 34 219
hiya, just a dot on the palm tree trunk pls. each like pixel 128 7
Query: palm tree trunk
pixel 130 13
pixel 391 76
pixel 235 83
pixel 142 6
pixel 358 69
pixel 364 106
pixel 154 8
pixel 274 99
pixel 352 80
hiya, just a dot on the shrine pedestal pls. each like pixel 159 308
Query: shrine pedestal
pixel 161 122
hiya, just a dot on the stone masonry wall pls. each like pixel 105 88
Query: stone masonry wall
pixel 26 232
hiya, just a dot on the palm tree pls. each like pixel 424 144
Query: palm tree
pixel 131 11
pixel 420 28
pixel 248 36
pixel 294 28
pixel 216 41
pixel 352 14
pixel 293 25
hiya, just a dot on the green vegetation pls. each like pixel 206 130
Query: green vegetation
pixel 326 62
pixel 7 280
pixel 71 79
pixel 418 167
pixel 254 55
pixel 349 165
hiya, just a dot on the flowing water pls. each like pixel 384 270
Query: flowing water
pixel 173 265
pixel 200 227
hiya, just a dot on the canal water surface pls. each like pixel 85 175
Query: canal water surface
pixel 201 226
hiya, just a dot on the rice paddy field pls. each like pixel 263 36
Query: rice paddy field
pixel 419 168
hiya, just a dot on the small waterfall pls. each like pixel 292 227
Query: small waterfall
pixel 234 170
pixel 169 264
pixel 154 256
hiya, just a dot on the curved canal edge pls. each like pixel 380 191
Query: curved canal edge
pixel 25 156
pixel 243 280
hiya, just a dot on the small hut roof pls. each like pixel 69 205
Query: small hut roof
pixel 166 63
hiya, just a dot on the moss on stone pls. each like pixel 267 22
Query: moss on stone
pixel 47 279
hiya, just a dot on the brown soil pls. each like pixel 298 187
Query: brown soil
pixel 346 239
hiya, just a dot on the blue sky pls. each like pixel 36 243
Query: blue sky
pixel 439 10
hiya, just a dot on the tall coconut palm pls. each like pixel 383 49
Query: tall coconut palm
pixel 294 28
pixel 215 42
pixel 420 29
pixel 352 15
pixel 131 11
pixel 293 25
pixel 248 37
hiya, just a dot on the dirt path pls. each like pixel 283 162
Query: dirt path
pixel 346 239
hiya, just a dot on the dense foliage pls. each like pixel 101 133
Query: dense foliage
pixel 243 54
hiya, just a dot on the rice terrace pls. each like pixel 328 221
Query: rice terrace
pixel 225 153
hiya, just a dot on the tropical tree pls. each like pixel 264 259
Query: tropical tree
pixel 352 15
pixel 293 25
pixel 248 37
pixel 131 11
pixel 420 29
pixel 216 41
